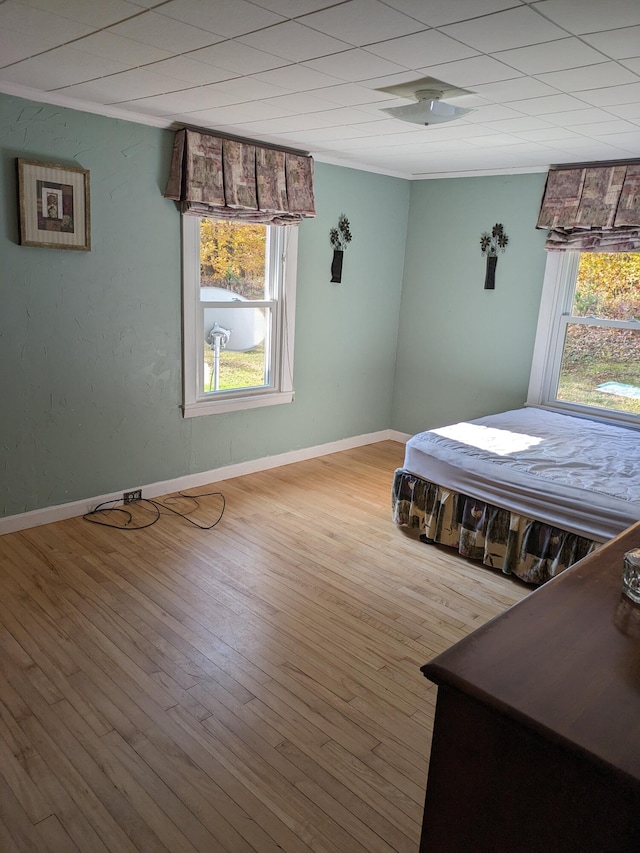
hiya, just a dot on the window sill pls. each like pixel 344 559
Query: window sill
pixel 237 404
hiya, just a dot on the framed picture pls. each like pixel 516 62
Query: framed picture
pixel 54 206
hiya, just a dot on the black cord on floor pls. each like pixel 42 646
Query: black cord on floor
pixel 101 514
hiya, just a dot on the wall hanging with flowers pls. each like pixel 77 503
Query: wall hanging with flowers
pixel 491 244
pixel 339 238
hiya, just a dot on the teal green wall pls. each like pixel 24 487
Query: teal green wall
pixel 464 351
pixel 90 341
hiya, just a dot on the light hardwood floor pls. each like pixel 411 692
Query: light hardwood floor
pixel 255 687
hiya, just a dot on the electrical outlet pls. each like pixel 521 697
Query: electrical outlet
pixel 131 497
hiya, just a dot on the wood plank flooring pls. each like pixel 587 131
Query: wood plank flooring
pixel 254 687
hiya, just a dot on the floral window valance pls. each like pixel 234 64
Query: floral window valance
pixel 592 208
pixel 232 179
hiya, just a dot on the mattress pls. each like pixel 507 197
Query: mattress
pixel 570 472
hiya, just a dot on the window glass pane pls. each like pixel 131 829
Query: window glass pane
pixel 235 370
pixel 608 286
pixel 233 257
pixel 233 270
pixel 601 367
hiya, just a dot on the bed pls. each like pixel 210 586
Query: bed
pixel 528 491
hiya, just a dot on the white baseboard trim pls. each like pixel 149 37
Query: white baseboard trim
pixel 46 515
pixel 402 437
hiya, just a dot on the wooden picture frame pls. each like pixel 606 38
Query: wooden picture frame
pixel 54 206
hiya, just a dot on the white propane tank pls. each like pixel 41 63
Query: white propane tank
pixel 246 326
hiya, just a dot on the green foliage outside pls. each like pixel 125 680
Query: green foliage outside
pixel 608 286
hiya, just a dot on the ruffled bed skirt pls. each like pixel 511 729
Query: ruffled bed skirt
pixel 530 549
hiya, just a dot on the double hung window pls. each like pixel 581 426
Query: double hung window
pixel 587 352
pixel 238 314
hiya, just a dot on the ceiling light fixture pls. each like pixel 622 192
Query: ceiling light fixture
pixel 429 109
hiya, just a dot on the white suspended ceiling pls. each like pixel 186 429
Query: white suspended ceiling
pixel 551 81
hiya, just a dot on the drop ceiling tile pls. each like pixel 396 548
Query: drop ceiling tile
pixel 618 44
pixel 291 8
pixel 297 104
pixel 24 19
pixel 353 66
pixel 138 83
pixel 298 78
pixel 352 94
pixel 355 143
pixel 330 134
pixel 591 77
pixel 287 124
pixel 347 115
pixel 375 109
pixel 157 105
pixel 361 22
pixel 468 73
pixel 198 98
pixel 111 46
pixel 336 134
pixel 490 112
pixel 592 16
pixel 632 65
pixel 577 116
pixel 94 13
pixel 389 132
pixel 628 141
pixel 612 95
pixel 395 79
pixel 551 56
pixel 511 28
pixel 237 57
pixel 227 17
pixel 437 13
pixel 457 130
pixel 16 46
pixel 548 105
pixel 518 148
pixel 165 33
pixel 581 150
pixel 548 134
pixel 605 128
pixel 294 41
pixel 518 89
pixel 494 140
pixel 628 111
pixel 60 67
pixel 518 125
pixel 235 113
pixel 417 50
pixel 188 70
pixel 250 89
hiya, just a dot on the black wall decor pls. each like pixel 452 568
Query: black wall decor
pixel 491 244
pixel 339 238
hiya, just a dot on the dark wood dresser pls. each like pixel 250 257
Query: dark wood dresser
pixel 536 743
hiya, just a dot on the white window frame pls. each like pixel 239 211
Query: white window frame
pixel 556 305
pixel 282 263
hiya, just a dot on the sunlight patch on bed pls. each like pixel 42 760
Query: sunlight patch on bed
pixel 502 442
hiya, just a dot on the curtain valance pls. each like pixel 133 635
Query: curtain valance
pixel 231 179
pixel 592 208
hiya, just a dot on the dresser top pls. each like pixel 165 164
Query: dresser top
pixel 565 661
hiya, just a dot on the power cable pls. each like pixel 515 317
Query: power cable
pixel 101 513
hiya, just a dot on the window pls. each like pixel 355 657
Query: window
pixel 587 353
pixel 238 314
